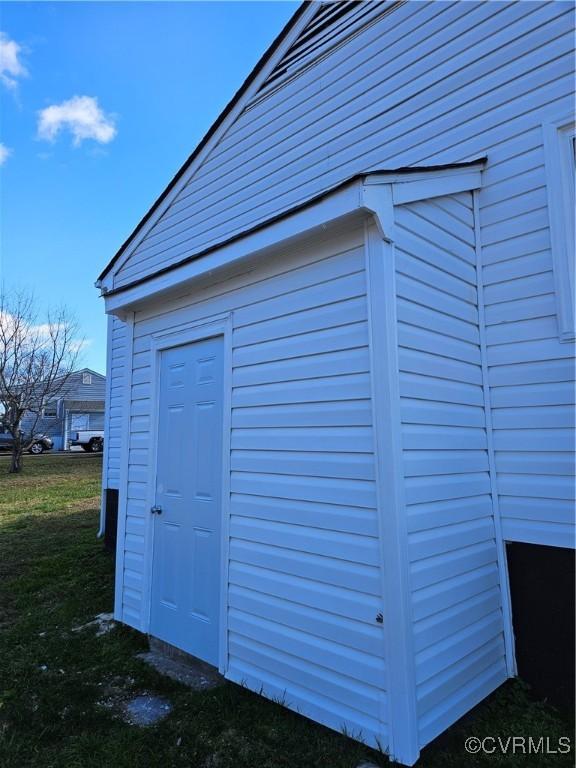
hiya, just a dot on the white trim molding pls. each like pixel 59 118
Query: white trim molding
pixel 372 193
pixel 395 567
pixel 123 483
pixel 558 139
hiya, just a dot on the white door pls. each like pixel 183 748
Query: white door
pixel 185 595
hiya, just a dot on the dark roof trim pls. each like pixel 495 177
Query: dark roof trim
pixel 90 370
pixel 295 209
pixel 223 115
pixel 94 406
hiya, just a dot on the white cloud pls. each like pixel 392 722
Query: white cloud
pixel 42 331
pixel 82 116
pixel 11 68
pixel 5 152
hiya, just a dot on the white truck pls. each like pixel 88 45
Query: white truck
pixel 91 440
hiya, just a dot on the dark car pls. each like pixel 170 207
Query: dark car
pixel 40 443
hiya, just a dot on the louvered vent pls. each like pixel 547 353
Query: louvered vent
pixel 332 25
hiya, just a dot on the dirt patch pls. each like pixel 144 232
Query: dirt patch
pixel 146 710
pixel 104 623
pixel 194 674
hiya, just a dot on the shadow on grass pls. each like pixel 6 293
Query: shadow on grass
pixel 62 690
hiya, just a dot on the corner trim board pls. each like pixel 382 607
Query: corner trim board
pixel 123 483
pixel 559 165
pixel 398 622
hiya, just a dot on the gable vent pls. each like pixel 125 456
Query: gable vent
pixel 332 26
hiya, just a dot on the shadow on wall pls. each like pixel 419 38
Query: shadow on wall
pixel 542 589
pixel 111 511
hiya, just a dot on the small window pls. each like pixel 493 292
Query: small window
pixel 50 411
pixel 559 152
pixel 86 378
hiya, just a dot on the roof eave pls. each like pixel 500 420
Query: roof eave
pixel 206 138
pixel 359 193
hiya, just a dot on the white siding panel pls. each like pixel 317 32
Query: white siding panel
pixel 118 363
pixel 374 102
pixel 343 387
pixel 333 517
pixel 451 535
pixel 304 568
pixel 483 79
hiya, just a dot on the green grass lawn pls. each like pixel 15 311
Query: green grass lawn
pixel 59 688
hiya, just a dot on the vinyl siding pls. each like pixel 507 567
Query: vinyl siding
pixel 117 374
pixel 74 389
pixel 304 573
pixel 476 78
pixel 531 374
pixel 454 575
pixel 373 103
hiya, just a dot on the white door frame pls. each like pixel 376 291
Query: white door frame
pixel 219 325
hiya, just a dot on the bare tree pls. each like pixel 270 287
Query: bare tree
pixel 37 356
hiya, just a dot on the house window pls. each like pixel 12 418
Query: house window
pixel 86 378
pixel 50 411
pixel 559 152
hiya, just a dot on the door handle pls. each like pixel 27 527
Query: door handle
pixel 156 510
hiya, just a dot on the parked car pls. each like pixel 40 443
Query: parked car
pixel 89 440
pixel 40 442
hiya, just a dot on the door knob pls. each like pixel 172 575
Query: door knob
pixel 156 510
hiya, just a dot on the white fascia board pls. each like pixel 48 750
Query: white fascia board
pixel 317 216
pixel 375 194
pixel 423 185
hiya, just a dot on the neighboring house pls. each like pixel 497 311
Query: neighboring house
pixel 340 368
pixel 78 405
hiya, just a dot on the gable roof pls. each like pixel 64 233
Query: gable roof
pixel 331 25
pixel 215 126
pixel 313 33
pixel 80 371
pixel 90 370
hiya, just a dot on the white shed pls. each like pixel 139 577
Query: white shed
pixel 340 365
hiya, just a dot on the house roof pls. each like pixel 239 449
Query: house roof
pixel 83 370
pixel 90 370
pixel 405 170
pixel 80 370
pixel 239 93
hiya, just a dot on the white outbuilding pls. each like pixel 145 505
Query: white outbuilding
pixel 340 365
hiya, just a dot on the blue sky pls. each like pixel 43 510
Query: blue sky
pixel 79 173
